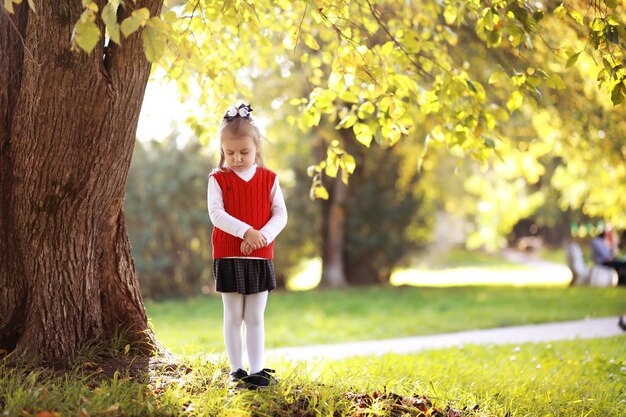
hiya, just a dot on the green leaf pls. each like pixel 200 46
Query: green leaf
pixel 577 16
pixel 556 82
pixel 611 3
pixel 499 78
pixel 490 143
pixel 133 22
pixel 130 25
pixel 109 17
pixel 378 136
pixel 618 94
pixel 572 60
pixel 86 35
pixel 153 43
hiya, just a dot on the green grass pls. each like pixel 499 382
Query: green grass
pixel 573 378
pixel 323 316
pixel 556 255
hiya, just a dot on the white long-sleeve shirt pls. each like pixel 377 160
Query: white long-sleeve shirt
pixel 231 225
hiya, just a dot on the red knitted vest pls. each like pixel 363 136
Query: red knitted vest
pixel 249 202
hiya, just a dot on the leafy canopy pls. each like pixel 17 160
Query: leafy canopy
pixel 387 70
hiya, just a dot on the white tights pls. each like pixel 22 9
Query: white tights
pixel 248 309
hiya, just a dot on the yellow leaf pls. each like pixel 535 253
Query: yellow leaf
pixel 347 122
pixel 391 132
pixel 320 192
pixel 363 133
pixel 47 413
pixel 332 164
pixel 8 4
pixel 396 109
pixel 170 17
pixel 348 163
pixel 143 14
pixel 86 35
pixel 450 14
pixel 560 11
pixel 310 41
pixel 515 101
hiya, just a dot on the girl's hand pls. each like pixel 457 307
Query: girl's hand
pixel 246 249
pixel 254 239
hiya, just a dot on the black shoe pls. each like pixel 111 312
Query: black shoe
pixel 261 379
pixel 621 323
pixel 238 378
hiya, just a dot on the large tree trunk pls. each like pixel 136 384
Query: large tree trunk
pixel 67 129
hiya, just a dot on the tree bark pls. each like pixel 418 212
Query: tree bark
pixel 67 129
pixel 334 231
pixel 334 215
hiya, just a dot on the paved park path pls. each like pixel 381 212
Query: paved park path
pixel 569 330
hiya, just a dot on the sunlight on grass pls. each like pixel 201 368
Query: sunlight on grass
pixel 306 276
pixel 554 276
pixel 488 271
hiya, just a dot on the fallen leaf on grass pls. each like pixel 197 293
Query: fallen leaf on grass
pixel 401 404
pixel 47 413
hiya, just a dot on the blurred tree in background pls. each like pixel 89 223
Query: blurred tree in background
pixel 167 217
pixel 390 213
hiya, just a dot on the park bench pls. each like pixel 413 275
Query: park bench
pixel 596 276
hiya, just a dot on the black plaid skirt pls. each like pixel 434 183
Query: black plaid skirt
pixel 245 276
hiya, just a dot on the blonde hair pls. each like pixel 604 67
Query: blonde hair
pixel 240 126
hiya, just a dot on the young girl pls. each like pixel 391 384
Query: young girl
pixel 248 211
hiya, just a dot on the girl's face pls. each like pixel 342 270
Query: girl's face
pixel 239 151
